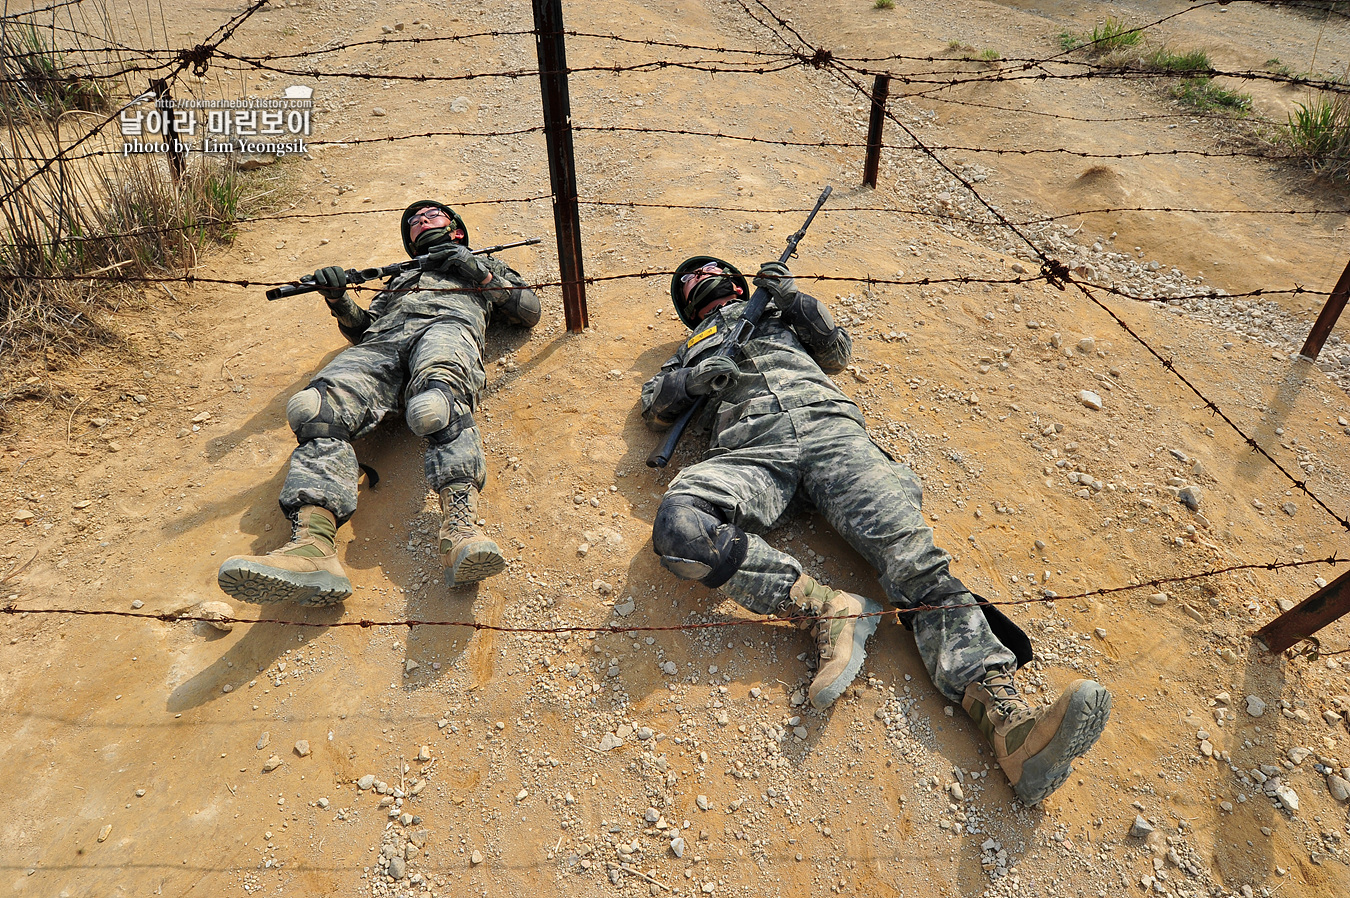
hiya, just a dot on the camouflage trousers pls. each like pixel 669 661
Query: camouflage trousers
pixel 756 466
pixel 365 383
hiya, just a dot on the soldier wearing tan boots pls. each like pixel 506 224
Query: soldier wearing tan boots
pixel 781 428
pixel 419 346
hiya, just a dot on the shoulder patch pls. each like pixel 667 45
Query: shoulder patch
pixel 700 336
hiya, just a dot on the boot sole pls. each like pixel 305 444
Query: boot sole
pixel 258 584
pixel 1086 717
pixel 863 628
pixel 477 562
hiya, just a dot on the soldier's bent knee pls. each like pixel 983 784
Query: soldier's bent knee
pixel 695 541
pixel 434 414
pixel 311 415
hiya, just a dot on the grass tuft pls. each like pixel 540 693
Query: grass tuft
pixel 1113 35
pixel 1205 95
pixel 1319 132
pixel 41 81
pixel 883 4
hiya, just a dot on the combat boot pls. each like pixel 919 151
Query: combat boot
pixel 1036 748
pixel 468 555
pixel 305 570
pixel 839 633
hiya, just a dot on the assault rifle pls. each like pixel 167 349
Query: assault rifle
pixel 741 332
pixel 361 275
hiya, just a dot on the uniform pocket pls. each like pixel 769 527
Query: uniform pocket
pixel 741 424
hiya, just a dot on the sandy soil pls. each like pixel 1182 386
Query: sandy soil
pixel 135 749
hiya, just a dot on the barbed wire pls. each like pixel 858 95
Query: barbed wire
pixel 1055 271
pixel 198 58
pixel 33 12
pixel 11 608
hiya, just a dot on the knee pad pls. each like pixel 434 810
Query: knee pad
pixel 311 415
pixel 432 414
pixel 695 541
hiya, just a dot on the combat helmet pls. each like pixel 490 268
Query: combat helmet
pixel 455 223
pixel 705 290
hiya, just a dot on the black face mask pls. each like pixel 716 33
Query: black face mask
pixel 431 238
pixel 707 290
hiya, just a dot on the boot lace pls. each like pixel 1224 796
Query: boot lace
pixel 1007 699
pixel 458 510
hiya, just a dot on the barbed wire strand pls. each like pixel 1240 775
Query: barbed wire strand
pixel 1059 276
pixel 12 609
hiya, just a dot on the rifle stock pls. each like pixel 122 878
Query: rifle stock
pixel 660 456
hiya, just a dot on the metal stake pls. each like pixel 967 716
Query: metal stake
pixel 1328 605
pixel 881 89
pixel 552 53
pixel 1321 328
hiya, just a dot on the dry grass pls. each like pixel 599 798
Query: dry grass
pixel 70 228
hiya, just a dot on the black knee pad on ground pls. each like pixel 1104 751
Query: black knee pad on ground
pixel 695 542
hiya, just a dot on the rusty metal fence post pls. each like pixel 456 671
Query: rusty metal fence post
pixel 1321 328
pixel 1328 605
pixel 552 53
pixel 881 89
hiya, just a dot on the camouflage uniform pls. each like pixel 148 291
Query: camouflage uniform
pixel 416 332
pixel 784 425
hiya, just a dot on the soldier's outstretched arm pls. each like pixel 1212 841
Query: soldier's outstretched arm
pixel 352 319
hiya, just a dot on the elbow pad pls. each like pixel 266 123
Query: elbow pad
pixel 811 321
pixel 521 306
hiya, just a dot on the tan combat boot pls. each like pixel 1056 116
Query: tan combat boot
pixel 1036 748
pixel 305 570
pixel 839 634
pixel 468 555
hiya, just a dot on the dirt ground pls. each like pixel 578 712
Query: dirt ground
pixel 138 751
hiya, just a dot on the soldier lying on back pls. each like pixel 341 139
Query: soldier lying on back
pixel 781 426
pixel 420 345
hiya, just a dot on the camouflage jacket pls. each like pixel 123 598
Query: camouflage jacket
pixel 426 294
pixel 778 372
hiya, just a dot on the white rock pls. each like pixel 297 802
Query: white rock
pixel 1255 707
pixel 1298 754
pixel 214 614
pixel 1090 399
pixel 702 802
pixel 609 741
pixel 1158 598
pixel 1287 797
pixel 1339 787
pixel 677 846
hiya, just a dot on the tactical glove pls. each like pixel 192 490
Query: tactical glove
pixel 332 282
pixel 711 376
pixel 458 261
pixel 775 278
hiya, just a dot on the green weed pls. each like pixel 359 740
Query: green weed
pixel 884 4
pixel 1165 60
pixel 1114 35
pixel 1205 95
pixel 1320 133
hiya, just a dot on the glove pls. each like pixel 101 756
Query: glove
pixel 775 277
pixel 711 376
pixel 457 260
pixel 332 282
